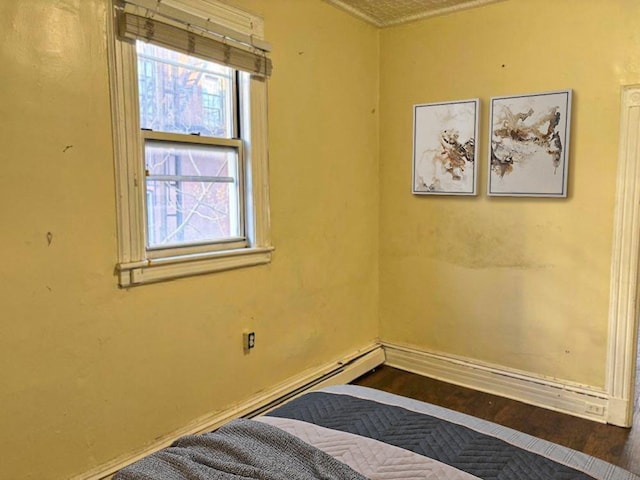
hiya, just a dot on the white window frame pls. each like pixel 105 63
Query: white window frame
pixel 136 265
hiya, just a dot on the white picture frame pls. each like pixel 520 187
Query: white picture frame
pixel 529 144
pixel 445 148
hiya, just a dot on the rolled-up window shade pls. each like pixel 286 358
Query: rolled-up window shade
pixel 194 43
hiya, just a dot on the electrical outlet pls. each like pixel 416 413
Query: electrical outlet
pixel 249 340
pixel 595 409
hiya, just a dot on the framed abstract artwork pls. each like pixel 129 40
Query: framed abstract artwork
pixel 444 148
pixel 529 144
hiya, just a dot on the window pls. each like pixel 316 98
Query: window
pixel 189 110
pixel 193 158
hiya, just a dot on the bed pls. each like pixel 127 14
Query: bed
pixel 352 432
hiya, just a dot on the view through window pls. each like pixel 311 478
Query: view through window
pixel 193 166
pixel 189 110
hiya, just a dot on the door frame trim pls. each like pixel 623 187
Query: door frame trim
pixel 623 303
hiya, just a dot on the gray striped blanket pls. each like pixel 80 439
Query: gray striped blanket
pixel 350 432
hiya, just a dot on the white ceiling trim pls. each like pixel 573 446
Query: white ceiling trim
pixel 428 12
pixel 354 11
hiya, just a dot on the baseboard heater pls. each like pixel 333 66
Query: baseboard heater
pixel 343 371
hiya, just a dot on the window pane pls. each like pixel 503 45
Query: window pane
pixel 192 194
pixel 183 94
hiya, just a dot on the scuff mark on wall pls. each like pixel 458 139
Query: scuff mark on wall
pixel 481 244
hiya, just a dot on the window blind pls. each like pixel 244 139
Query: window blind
pixel 171 28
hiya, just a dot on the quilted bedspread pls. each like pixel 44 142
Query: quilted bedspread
pixel 356 433
pixel 240 450
pixel 384 436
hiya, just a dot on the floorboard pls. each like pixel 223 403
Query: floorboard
pixel 620 446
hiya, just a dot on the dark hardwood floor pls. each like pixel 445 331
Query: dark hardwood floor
pixel 616 445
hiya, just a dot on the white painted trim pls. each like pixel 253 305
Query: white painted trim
pixel 344 370
pixel 442 11
pixel 355 12
pixel 137 266
pixel 127 145
pixel 428 13
pixel 553 394
pixel 623 306
pixel 257 159
pixel 186 266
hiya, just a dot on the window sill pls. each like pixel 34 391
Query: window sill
pixel 168 268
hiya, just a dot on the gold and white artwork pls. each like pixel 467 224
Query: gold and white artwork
pixel 529 144
pixel 444 148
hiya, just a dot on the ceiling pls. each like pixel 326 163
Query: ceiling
pixel 383 13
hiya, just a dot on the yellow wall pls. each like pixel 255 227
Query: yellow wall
pixel 522 283
pixel 90 371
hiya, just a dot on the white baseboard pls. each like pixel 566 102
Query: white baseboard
pixel 618 411
pixel 344 370
pixel 561 396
